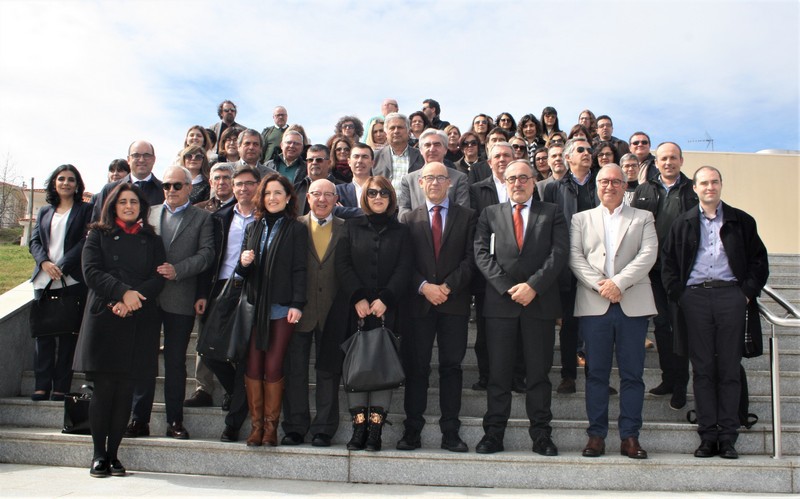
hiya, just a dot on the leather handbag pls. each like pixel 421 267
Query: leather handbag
pixel 56 311
pixel 76 412
pixel 372 361
pixel 242 327
pixel 218 326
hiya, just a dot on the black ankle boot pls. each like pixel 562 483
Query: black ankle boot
pixel 359 429
pixel 377 418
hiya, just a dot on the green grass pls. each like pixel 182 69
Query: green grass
pixel 16 266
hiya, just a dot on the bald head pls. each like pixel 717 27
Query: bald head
pixel 434 180
pixel 321 197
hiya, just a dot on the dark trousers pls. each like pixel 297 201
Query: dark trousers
pixel 177 330
pixel 231 377
pixel 52 362
pixel 108 412
pixel 481 350
pixel 568 334
pixel 715 320
pixel 674 367
pixel 538 341
pixel 296 409
pixel 450 333
pixel 606 335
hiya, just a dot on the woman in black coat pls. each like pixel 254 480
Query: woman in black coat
pixel 273 261
pixel 56 245
pixel 374 261
pixel 119 337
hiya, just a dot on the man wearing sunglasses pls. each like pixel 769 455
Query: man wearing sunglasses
pixel 227 115
pixel 640 146
pixel 318 165
pixel 188 235
pixel 574 192
pixel 521 246
pixel 141 158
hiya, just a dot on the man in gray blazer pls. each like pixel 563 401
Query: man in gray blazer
pixel 520 248
pixel 612 249
pixel 398 158
pixel 433 144
pixel 324 231
pixel 188 235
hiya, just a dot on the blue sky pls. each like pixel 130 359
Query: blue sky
pixel 81 79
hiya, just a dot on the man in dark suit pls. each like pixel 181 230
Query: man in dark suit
pixel 141 158
pixel 349 195
pixel 398 158
pixel 324 231
pixel 229 229
pixel 713 265
pixel 318 162
pixel 520 248
pixel 188 236
pixel 442 233
pixel 227 115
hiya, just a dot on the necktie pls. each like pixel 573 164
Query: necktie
pixel 436 230
pixel 518 225
pixel 139 184
pixel 322 222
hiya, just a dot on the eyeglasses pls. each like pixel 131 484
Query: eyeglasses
pixel 504 119
pixel 348 126
pixel 556 142
pixel 480 122
pixel 605 154
pixel 172 185
pixel 630 166
pixel 342 149
pixel 604 182
pixel 193 157
pixel 293 143
pixel 523 179
pixel 245 183
pixel 582 149
pixel 316 160
pixel 640 143
pixel 470 143
pixel 232 110
pixel 140 155
pixel 435 178
pixel 319 194
pixel 518 147
pixel 373 193
pixel 540 158
pixel 604 125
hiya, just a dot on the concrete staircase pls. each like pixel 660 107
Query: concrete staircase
pixel 30 433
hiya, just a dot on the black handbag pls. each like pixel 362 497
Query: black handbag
pixel 56 311
pixel 76 412
pixel 372 361
pixel 218 327
pixel 242 327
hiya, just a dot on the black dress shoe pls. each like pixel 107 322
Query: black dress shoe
pixel 57 397
pixel 518 386
pixel 489 445
pixel 727 450
pixel 567 385
pixel 177 431
pixel 480 386
pixel 137 429
pixel 663 389
pixel 411 440
pixel 595 447
pixel 116 468
pixel 707 449
pixel 99 468
pixel 545 446
pixel 199 399
pixel 229 434
pixel 321 440
pixel 226 402
pixel 292 438
pixel 38 397
pixel 452 442
pixel 678 400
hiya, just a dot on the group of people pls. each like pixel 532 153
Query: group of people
pixel 535 227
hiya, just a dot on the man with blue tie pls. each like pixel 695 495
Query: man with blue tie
pixel 442 233
pixel 141 158
pixel 520 248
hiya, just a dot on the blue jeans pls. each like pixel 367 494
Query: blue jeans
pixel 604 335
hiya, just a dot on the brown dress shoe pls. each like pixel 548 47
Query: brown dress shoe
pixel 630 447
pixel 595 447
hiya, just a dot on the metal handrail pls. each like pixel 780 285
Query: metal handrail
pixel 792 319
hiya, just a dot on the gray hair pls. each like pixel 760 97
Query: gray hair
pixel 227 167
pixel 293 132
pixel 570 145
pixel 612 166
pixel 397 116
pixel 186 173
pixel 629 157
pixel 523 161
pixel 504 144
pixel 250 131
pixel 433 131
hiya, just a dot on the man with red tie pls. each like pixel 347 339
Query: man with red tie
pixel 442 233
pixel 520 248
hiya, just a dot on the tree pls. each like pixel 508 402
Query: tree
pixel 12 196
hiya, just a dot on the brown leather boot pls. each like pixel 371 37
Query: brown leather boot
pixel 273 396
pixel 255 401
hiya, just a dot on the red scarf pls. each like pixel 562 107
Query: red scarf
pixel 130 229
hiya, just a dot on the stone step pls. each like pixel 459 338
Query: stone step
pixel 513 468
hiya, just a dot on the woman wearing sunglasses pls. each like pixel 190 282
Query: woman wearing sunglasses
pixel 195 160
pixel 373 266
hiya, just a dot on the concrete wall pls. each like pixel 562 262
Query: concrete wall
pixel 16 353
pixel 767 186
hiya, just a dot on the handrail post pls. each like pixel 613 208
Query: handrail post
pixel 775 374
